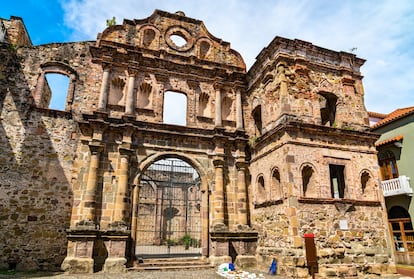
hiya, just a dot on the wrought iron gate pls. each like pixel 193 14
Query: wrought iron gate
pixel 169 210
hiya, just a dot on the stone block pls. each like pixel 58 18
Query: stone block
pixel 115 265
pixel 245 261
pixel 77 265
pixel 217 260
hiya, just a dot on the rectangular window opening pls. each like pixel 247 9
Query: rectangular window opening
pixel 336 173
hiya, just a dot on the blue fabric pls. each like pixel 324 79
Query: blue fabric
pixel 273 267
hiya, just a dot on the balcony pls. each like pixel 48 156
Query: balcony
pixel 397 186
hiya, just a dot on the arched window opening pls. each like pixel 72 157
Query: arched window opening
pixel 169 217
pixel 257 117
pixel 388 165
pixel 308 182
pixel 276 188
pixel 261 190
pixel 175 108
pixel 55 94
pixel 366 183
pixel 327 102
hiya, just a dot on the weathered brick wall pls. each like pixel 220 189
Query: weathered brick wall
pixel 38 149
pixel 358 251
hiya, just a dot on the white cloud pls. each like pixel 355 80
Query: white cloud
pixel 380 30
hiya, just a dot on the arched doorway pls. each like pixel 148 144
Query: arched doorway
pixel 169 210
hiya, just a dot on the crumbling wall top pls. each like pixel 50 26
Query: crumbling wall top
pixel 14 32
pixel 174 35
pixel 283 48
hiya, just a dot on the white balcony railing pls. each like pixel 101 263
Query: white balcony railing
pixel 397 186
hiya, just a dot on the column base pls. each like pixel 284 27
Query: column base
pixel 77 265
pixel 115 265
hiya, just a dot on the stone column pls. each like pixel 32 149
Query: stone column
pixel 135 201
pixel 121 211
pixel 129 106
pixel 239 110
pixel 89 197
pixel 218 198
pixel 103 95
pixel 241 193
pixel 218 120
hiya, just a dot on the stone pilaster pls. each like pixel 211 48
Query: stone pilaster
pixel 130 106
pixel 218 119
pixel 218 194
pixel 103 95
pixel 241 193
pixel 121 212
pixel 239 109
pixel 88 217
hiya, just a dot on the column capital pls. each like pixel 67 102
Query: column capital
pixel 238 86
pixel 124 150
pixel 218 162
pixel 218 85
pixel 95 147
pixel 132 72
pixel 241 164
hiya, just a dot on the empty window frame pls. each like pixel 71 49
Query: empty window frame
pixel 257 116
pixel 55 93
pixel 175 108
pixel 327 102
pixel 337 177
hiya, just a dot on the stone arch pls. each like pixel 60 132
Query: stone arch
pixel 203 46
pixel 41 95
pixel 145 163
pixel 276 190
pixel 260 189
pixel 149 37
pixel 309 189
pixel 368 185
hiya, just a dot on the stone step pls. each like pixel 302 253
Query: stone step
pixel 171 264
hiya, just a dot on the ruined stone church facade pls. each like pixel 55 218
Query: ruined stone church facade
pixel 275 152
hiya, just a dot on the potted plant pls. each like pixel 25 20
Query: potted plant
pixel 186 240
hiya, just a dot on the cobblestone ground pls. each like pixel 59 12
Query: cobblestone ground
pixel 186 274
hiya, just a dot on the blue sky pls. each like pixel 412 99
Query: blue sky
pixel 381 31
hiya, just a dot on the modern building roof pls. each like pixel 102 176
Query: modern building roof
pixel 395 115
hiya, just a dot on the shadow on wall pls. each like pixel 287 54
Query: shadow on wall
pixel 35 195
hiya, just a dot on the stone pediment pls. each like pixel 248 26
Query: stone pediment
pixel 174 34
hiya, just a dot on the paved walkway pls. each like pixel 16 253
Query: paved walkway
pixel 406 273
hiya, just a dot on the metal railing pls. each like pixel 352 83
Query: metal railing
pixel 397 186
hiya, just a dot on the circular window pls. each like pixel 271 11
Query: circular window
pixel 178 38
